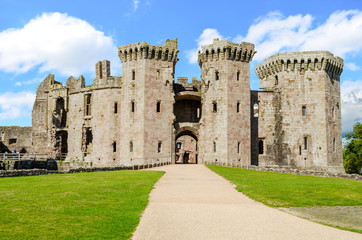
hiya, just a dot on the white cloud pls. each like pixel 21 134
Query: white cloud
pixel 28 82
pixel 341 34
pixel 55 41
pixel 15 105
pixel 351 96
pixel 351 66
pixel 205 38
pixel 135 4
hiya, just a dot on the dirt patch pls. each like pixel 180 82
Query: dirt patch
pixel 341 216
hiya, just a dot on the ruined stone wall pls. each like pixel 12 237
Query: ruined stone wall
pixel 307 97
pixel 225 123
pixel 15 139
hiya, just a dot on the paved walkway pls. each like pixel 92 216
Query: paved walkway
pixel 192 202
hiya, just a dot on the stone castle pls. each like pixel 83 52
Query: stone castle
pixel 145 117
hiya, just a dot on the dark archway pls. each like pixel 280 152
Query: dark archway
pixel 186 146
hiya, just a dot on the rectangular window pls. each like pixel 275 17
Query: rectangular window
pixel 88 104
pixel 12 141
pixel 133 75
pixel 214 146
pixel 300 150
pixel 239 147
pixel 261 146
pixel 304 111
pixel 216 75
pixel 159 147
pixel 305 143
pixel 115 108
pixel 214 107
pixel 158 106
pixel 238 76
pixel 131 146
pixel 132 106
pixel 238 107
pixel 114 146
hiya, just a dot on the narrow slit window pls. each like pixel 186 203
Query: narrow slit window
pixel 214 146
pixel 114 145
pixel 305 143
pixel 132 106
pixel 261 146
pixel 238 107
pixel 131 146
pixel 239 146
pixel 115 107
pixel 217 75
pixel 334 144
pixel 214 107
pixel 304 111
pixel 300 150
pixel 159 146
pixel 276 80
pixel 158 106
pixel 238 76
pixel 133 75
pixel 88 104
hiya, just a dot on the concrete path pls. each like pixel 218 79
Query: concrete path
pixel 192 202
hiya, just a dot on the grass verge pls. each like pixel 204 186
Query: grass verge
pixel 287 190
pixel 97 205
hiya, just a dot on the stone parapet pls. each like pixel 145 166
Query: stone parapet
pixel 291 61
pixel 165 52
pixel 225 50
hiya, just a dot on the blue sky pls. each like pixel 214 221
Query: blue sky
pixel 68 37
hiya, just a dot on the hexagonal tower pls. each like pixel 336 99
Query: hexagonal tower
pixel 225 123
pixel 148 76
pixel 299 113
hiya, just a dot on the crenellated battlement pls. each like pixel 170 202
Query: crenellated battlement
pixel 291 61
pixel 225 50
pixel 165 52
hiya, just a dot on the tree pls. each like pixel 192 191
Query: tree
pixel 352 154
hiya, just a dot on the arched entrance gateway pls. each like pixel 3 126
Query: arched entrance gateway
pixel 187 110
pixel 186 146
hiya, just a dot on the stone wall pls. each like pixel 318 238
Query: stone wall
pixel 304 132
pixel 225 123
pixel 15 139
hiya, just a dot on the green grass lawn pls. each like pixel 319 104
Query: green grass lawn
pixel 287 190
pixel 97 205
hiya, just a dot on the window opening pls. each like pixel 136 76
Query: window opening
pixel 256 110
pixel 238 107
pixel 300 150
pixel 239 147
pixel 305 143
pixel 158 107
pixel 131 146
pixel 132 106
pixel 12 141
pixel 334 144
pixel 276 80
pixel 114 146
pixel 261 146
pixel 304 111
pixel 159 147
pixel 88 106
pixel 133 75
pixel 238 76
pixel 216 75
pixel 214 146
pixel 214 107
pixel 115 107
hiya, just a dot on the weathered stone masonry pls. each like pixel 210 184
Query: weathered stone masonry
pixel 145 117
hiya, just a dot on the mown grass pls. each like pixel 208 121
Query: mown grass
pixel 97 205
pixel 287 190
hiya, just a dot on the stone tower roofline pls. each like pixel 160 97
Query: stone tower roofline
pixel 223 49
pixel 308 60
pixel 165 52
